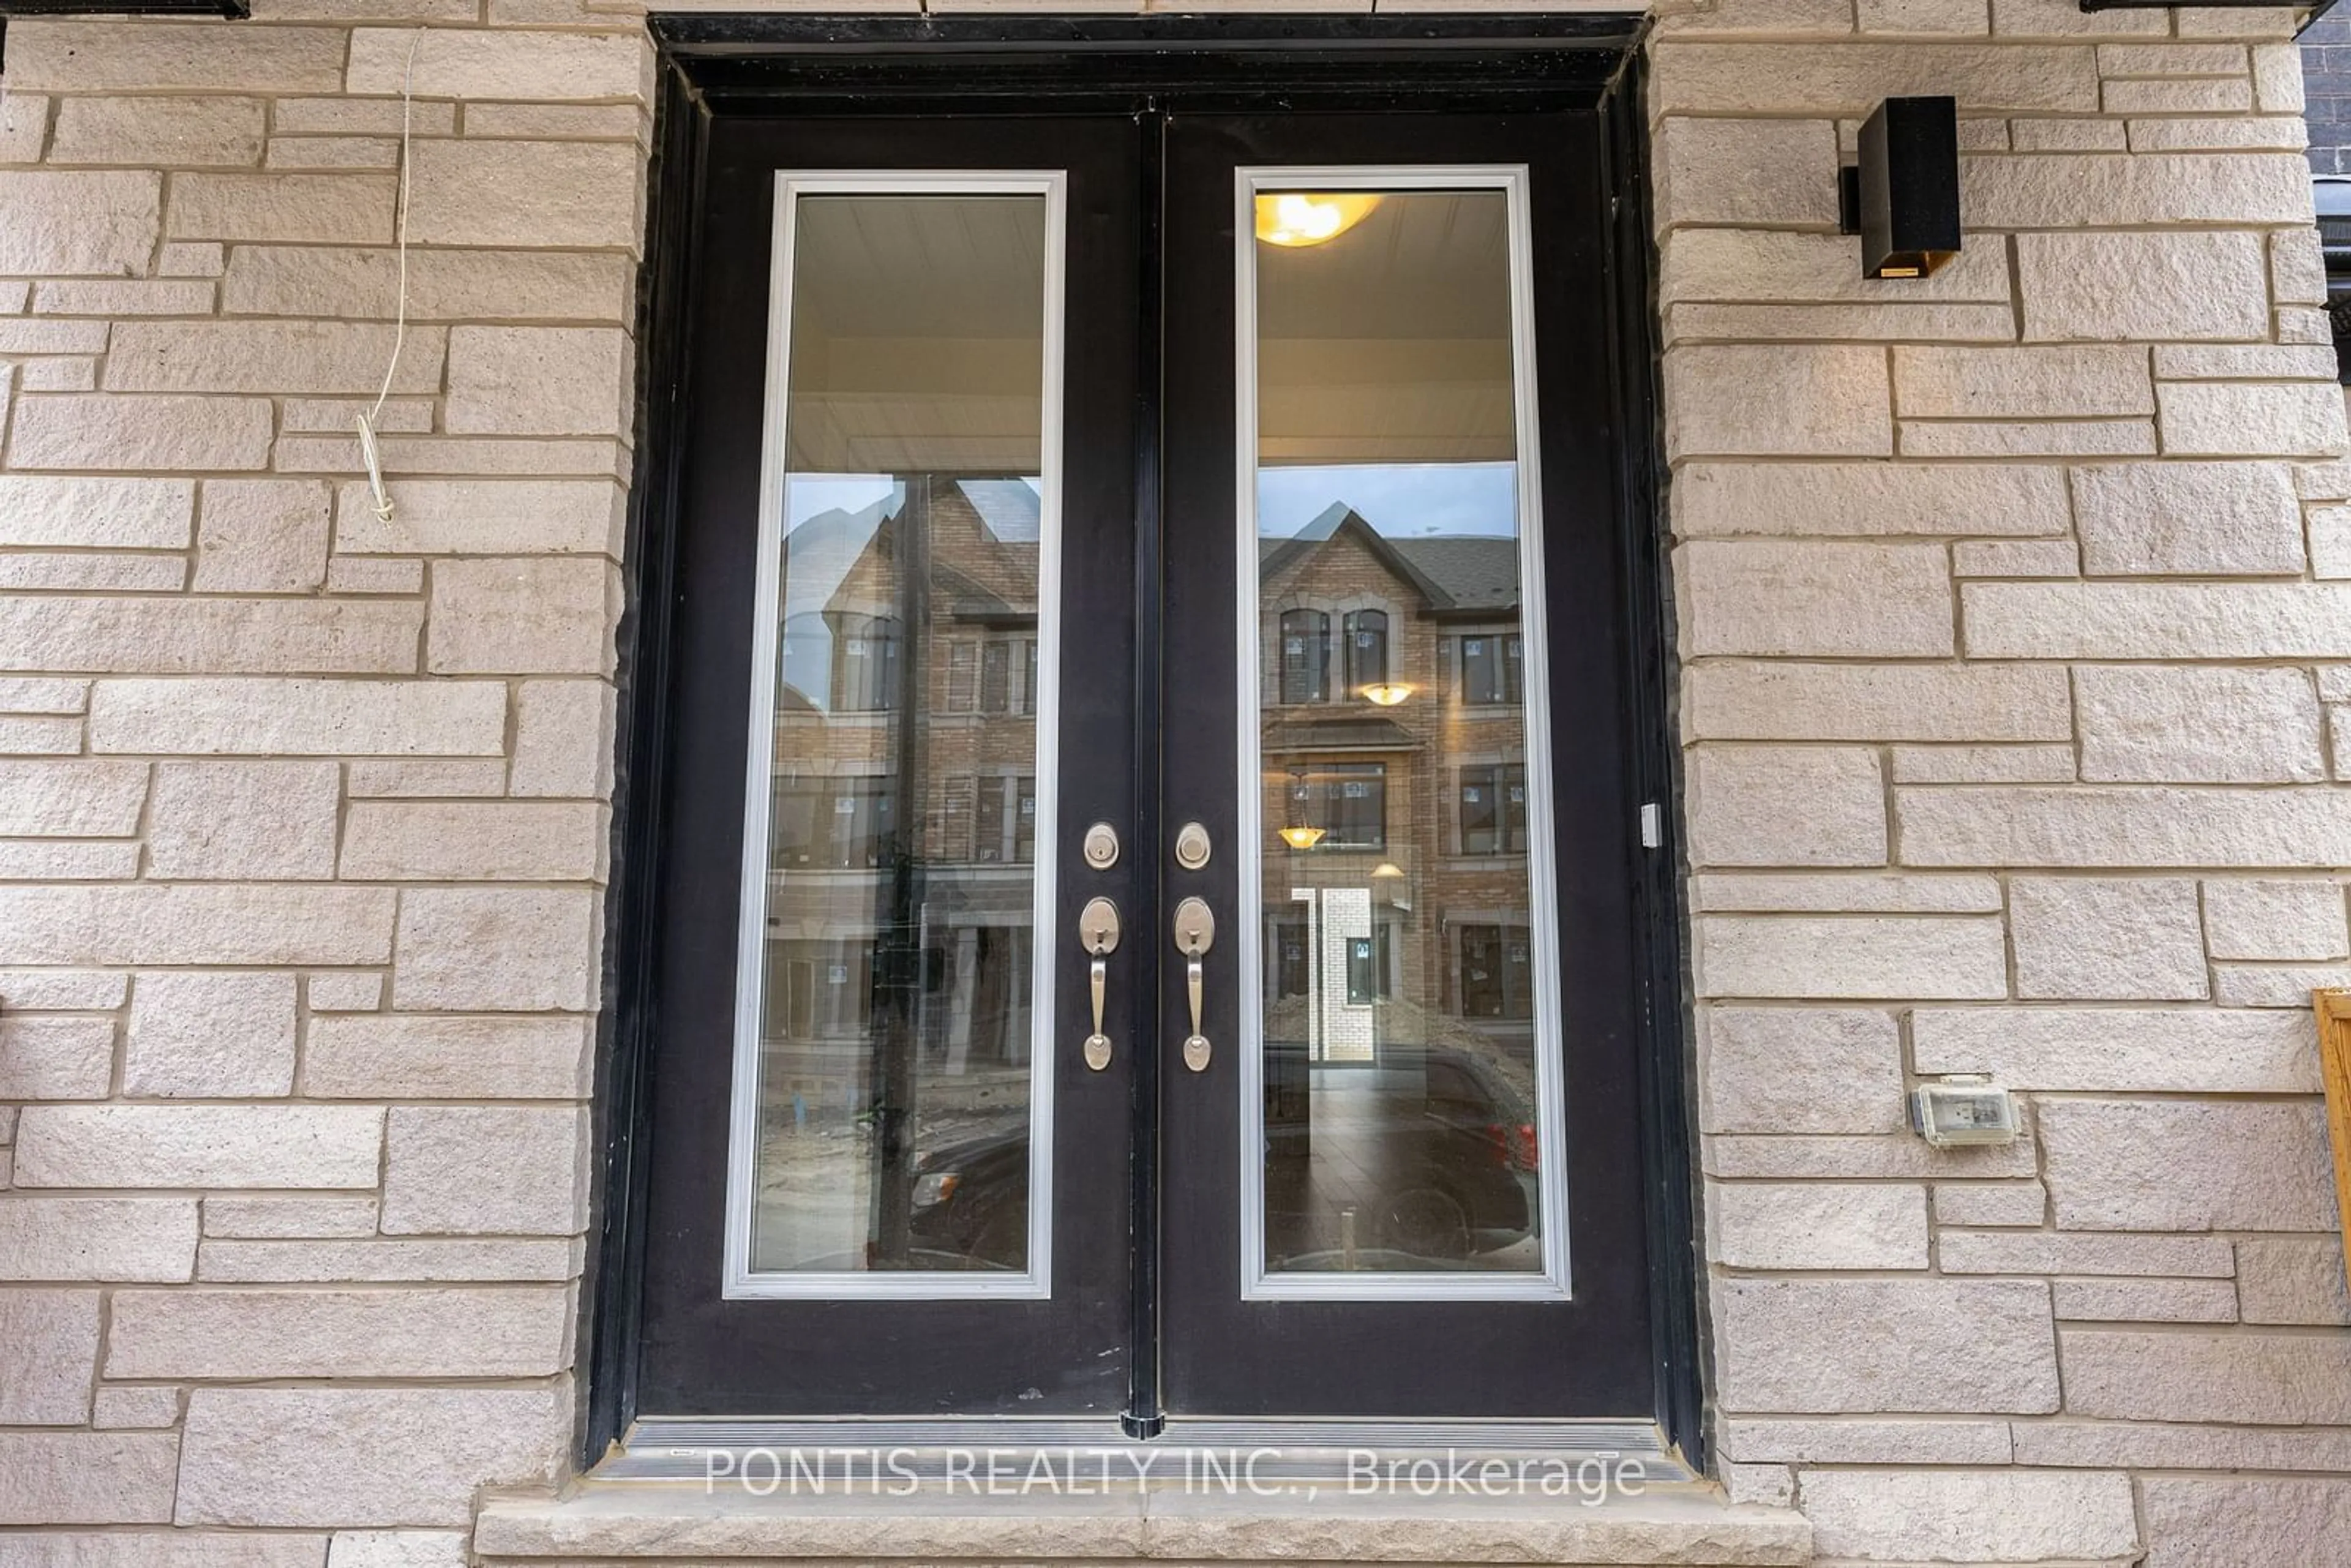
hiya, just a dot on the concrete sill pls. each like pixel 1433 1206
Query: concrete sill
pixel 610 1521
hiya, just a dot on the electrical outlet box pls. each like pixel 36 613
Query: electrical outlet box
pixel 1957 1111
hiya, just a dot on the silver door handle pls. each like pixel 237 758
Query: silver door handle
pixel 1098 934
pixel 1196 933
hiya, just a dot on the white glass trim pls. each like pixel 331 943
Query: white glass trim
pixel 741 1282
pixel 1256 1284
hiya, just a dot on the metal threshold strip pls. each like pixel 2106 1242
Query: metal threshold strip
pixel 1014 1455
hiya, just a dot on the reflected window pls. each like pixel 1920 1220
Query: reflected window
pixel 1493 668
pixel 1494 810
pixel 1348 801
pixel 1497 972
pixel 1367 650
pixel 1004 825
pixel 1305 656
pixel 868 665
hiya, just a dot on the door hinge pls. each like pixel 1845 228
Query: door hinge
pixel 1653 826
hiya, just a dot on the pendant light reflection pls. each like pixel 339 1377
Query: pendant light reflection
pixel 1296 218
pixel 1297 834
pixel 1388 694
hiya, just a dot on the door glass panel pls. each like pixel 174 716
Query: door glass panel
pixel 1406 1063
pixel 891 1094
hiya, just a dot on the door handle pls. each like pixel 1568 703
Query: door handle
pixel 1196 933
pixel 1098 934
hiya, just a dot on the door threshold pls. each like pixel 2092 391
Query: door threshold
pixel 994 1456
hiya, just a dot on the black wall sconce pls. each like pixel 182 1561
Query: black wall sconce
pixel 1903 195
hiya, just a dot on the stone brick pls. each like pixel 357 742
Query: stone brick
pixel 48 1356
pixel 433 778
pixel 144 1549
pixel 2016 558
pixel 497 64
pixel 309 1457
pixel 388 1261
pixel 280 1218
pixel 2182 286
pixel 268 357
pixel 340 281
pixel 519 193
pixel 397 1547
pixel 2020 383
pixel 521 617
pixel 1868 499
pixel 1793 401
pixel 537 381
pixel 2151 725
pixel 1971 1516
pixel 216 636
pixel 2028 438
pixel 136 57
pixel 56 1057
pixel 162 923
pixel 495 949
pixel 24 127
pixel 71 798
pixel 210 1036
pixel 2243 362
pixel 1780 701
pixel 34 695
pixel 170 132
pixel 2116 190
pixel 1990 1203
pixel 563 738
pixel 2136 826
pixel 2169 1164
pixel 2106 940
pixel 293 208
pixel 1801 1070
pixel 1846 1442
pixel 310 718
pixel 432 1173
pixel 1849 80
pixel 483 516
pixel 1786 805
pixel 2227 1522
pixel 394 1056
pixel 345 992
pixel 139 1408
pixel 1925 957
pixel 1746 172
pixel 231 819
pixel 88 223
pixel 2246 419
pixel 2129 1301
pixel 1839 600
pixel 2292 1280
pixel 198 1145
pixel 113 1239
pixel 2254 1379
pixel 1880 1347
pixel 262 536
pixel 86 1478
pixel 2155 621
pixel 103 430
pixel 1817 1225
pixel 207 1334
pixel 92 572
pixel 139 297
pixel 2249 919
pixel 1845 893
pixel 88 512
pixel 2046 1252
pixel 490 841
pixel 2183 518
pixel 2173 1051
pixel 2178 1446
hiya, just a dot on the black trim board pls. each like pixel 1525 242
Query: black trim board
pixel 793 64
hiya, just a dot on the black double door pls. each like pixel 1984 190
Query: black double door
pixel 1164 481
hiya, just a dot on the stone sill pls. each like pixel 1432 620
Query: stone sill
pixel 1686 1525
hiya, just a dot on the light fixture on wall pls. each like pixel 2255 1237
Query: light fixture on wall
pixel 1296 218
pixel 1901 195
pixel 1295 832
pixel 1387 693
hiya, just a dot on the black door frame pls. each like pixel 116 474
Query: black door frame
pixel 710 65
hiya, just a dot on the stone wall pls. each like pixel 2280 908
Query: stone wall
pixel 2013 632
pixel 2013 661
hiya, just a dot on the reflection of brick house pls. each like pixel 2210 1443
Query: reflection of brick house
pixel 1416 889
pixel 881 913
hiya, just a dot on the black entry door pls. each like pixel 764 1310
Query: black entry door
pixel 1206 518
